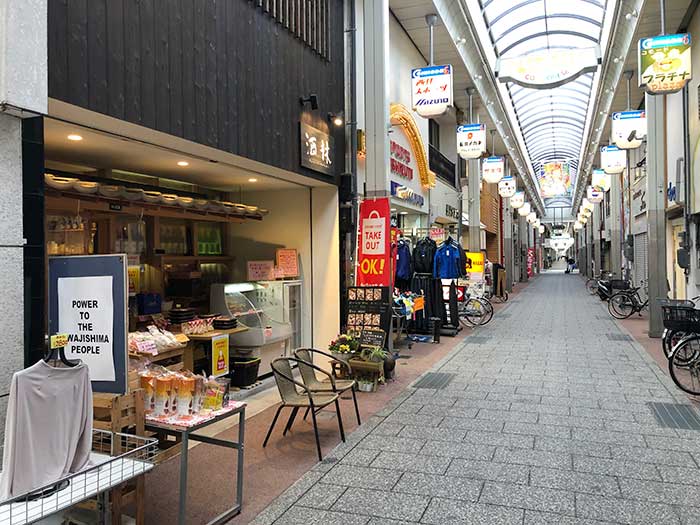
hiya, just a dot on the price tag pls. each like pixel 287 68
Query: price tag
pixel 59 341
pixel 147 347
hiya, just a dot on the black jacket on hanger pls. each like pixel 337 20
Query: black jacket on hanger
pixel 423 255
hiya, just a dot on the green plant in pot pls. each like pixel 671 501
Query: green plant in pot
pixel 374 354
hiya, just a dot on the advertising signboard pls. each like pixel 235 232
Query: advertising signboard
pixel 548 69
pixel 431 90
pixel 493 169
pixel 629 128
pixel 613 159
pixel 471 141
pixel 373 252
pixel 665 64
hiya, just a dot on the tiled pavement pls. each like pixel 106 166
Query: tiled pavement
pixel 544 422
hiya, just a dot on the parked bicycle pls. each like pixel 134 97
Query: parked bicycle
pixel 476 310
pixel 609 287
pixel 674 322
pixel 624 303
pixel 592 282
pixel 684 358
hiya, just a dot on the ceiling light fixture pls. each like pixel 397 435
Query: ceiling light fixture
pixel 183 163
pixel 336 118
pixel 252 179
pixel 75 137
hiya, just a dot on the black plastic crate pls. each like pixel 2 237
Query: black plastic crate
pixel 244 371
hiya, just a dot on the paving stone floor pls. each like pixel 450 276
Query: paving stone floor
pixel 545 421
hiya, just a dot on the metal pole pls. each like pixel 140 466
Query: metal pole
pixel 662 5
pixel 430 20
pixel 473 193
pixel 628 170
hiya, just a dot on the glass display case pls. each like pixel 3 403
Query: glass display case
pixel 70 235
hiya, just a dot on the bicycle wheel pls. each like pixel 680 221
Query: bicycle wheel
pixel 488 307
pixel 472 312
pixel 669 339
pixel 592 286
pixel 686 375
pixel 688 352
pixel 621 305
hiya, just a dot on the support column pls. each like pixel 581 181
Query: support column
pixel 376 67
pixel 508 243
pixel 589 246
pixel 596 220
pixel 524 236
pixel 474 201
pixel 616 226
pixel 656 191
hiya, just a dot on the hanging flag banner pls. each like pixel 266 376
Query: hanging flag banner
pixel 613 159
pixel 601 180
pixel 507 187
pixel 594 195
pixel 548 69
pixel 373 252
pixel 492 169
pixel 665 64
pixel 517 200
pixel 629 129
pixel 471 141
pixel 431 90
pixel 555 180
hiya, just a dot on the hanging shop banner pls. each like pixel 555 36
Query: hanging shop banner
pixel 475 266
pixel 613 159
pixel 629 128
pixel 431 90
pixel 316 149
pixel 594 195
pixel 665 64
pixel 493 169
pixel 601 180
pixel 373 253
pixel 530 262
pixel 555 180
pixel 471 141
pixel 88 302
pixel 548 69
pixel 219 355
pixel 507 187
pixel 517 200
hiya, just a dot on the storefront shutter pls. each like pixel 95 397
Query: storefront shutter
pixel 641 265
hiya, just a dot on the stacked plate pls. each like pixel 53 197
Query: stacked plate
pixel 225 323
pixel 181 315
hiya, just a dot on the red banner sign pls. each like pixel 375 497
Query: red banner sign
pixel 374 251
pixel 530 262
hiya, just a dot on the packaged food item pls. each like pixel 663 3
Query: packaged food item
pixel 212 395
pixel 148 383
pixel 198 400
pixel 185 395
pixel 163 395
pixel 224 384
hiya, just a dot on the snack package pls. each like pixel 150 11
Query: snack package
pixel 198 400
pixel 163 395
pixel 185 395
pixel 212 395
pixel 224 384
pixel 148 383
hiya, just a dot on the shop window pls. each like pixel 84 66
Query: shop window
pixel 308 20
pixel 434 134
pixel 174 238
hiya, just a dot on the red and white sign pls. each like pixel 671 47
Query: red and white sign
pixel 400 162
pixel 374 250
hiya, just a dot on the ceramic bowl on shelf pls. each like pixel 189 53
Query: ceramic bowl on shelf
pixel 185 202
pixel 229 207
pixel 240 209
pixel 263 211
pixel 133 194
pixel 152 196
pixel 168 198
pixel 110 190
pixel 217 206
pixel 86 187
pixel 201 204
pixel 59 183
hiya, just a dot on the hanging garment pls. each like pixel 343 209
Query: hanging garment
pixel 454 305
pixel 404 265
pixel 448 261
pixel 48 428
pixel 424 255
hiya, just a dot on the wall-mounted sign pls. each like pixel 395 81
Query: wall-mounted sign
pixel 493 169
pixel 601 180
pixel 451 212
pixel 471 140
pixel 665 64
pixel 594 195
pixel 517 200
pixel 373 253
pixel 261 270
pixel 406 194
pixel 548 69
pixel 475 266
pixel 400 161
pixel 613 159
pixel 431 90
pixel 287 262
pixel 88 303
pixel 629 129
pixel 507 187
pixel 316 149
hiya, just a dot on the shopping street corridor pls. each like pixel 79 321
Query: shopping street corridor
pixel 545 420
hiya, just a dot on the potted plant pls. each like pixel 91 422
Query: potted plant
pixel 365 385
pixel 374 354
pixel 344 347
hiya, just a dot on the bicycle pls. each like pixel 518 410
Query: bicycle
pixel 592 282
pixel 476 310
pixel 676 318
pixel 624 303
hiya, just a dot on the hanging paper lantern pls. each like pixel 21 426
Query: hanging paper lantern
pixel 613 159
pixel 578 225
pixel 507 187
pixel 586 204
pixel 471 141
pixel 583 219
pixel 629 129
pixel 524 209
pixel 541 229
pixel 531 217
pixel 492 169
pixel 536 224
pixel 601 180
pixel 517 200
pixel 594 195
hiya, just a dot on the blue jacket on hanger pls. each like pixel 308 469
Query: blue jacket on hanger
pixel 404 268
pixel 447 262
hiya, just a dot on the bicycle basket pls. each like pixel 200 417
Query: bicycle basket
pixel 681 318
pixel 619 284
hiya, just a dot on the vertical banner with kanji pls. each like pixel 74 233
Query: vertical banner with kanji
pixel 374 243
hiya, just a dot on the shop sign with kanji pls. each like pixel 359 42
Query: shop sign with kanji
pixel 665 64
pixel 316 149
pixel 431 90
pixel 471 141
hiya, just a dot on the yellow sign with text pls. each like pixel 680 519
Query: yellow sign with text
pixel 475 262
pixel 59 341
pixel 219 355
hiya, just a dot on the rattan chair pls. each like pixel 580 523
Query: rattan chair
pixel 308 374
pixel 295 399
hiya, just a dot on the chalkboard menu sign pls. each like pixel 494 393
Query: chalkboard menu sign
pixel 368 309
pixel 372 337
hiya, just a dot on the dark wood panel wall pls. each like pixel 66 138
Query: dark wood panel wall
pixel 223 73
